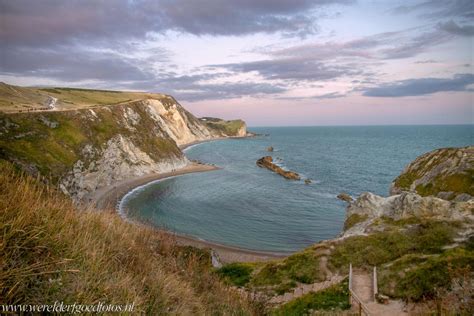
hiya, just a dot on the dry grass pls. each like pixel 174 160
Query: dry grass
pixel 52 252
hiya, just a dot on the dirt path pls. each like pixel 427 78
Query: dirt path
pixel 362 285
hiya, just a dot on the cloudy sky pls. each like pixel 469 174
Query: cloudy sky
pixel 270 62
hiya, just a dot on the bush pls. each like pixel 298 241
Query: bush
pixel 236 273
pixel 334 298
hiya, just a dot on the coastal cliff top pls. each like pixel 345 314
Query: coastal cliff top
pixel 24 99
pixel 447 173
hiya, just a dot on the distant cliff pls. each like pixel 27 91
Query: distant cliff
pixel 87 148
pixel 447 173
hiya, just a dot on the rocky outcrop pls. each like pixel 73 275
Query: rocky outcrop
pixel 405 205
pixel 345 197
pixel 447 173
pixel 267 162
pixel 369 207
pixel 441 171
pixel 86 149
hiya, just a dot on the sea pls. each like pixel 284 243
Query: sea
pixel 242 205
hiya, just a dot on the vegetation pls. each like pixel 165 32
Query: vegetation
pixel 226 127
pixel 15 99
pixel 236 273
pixel 301 267
pixel 334 298
pixel 53 252
pixel 51 142
pixel 382 247
pixel 457 182
pixel 415 277
pixel 354 219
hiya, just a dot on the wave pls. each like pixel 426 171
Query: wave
pixel 130 194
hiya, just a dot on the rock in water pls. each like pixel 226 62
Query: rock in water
pixel 267 162
pixel 270 149
pixel 307 181
pixel 345 197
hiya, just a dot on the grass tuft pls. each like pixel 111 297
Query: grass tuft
pixel 51 251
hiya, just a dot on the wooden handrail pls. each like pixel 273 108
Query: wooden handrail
pixel 362 306
pixel 353 295
pixel 374 285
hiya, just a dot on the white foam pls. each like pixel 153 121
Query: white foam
pixel 121 204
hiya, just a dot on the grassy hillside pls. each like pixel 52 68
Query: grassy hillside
pixel 417 259
pixel 227 127
pixel 446 173
pixel 51 142
pixel 15 98
pixel 53 252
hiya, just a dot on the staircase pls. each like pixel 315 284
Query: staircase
pixel 363 291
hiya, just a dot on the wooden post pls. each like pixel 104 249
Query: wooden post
pixel 360 308
pixel 375 286
pixel 350 284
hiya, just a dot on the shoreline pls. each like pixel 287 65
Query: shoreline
pixel 110 197
pixel 183 147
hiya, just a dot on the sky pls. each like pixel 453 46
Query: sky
pixel 269 62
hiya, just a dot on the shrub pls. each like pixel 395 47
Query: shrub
pixel 334 298
pixel 236 273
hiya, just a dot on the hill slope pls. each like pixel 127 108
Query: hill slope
pixel 51 252
pixel 85 149
pixel 447 173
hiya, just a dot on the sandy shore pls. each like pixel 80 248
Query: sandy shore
pixel 109 197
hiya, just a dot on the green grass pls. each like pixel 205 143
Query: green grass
pixel 461 182
pixel 354 219
pixel 458 183
pixel 415 277
pixel 301 267
pixel 227 127
pixel 334 298
pixel 382 247
pixel 53 151
pixel 405 180
pixel 236 273
pixel 15 98
pixel 51 251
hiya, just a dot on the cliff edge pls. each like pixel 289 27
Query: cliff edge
pixel 447 173
pixel 83 149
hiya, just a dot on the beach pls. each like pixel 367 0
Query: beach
pixel 109 197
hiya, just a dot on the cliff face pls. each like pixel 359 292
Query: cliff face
pixel 86 149
pixel 447 173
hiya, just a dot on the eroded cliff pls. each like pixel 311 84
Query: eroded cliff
pixel 85 149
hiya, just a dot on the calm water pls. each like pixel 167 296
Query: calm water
pixel 245 206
